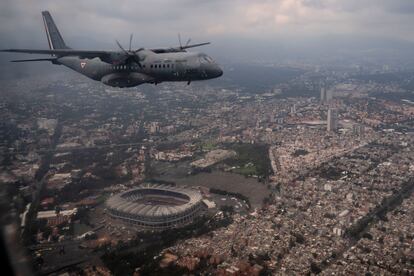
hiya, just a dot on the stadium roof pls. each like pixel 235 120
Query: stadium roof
pixel 127 202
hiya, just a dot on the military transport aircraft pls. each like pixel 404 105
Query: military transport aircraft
pixel 127 68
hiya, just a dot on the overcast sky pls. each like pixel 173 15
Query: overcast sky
pixel 242 24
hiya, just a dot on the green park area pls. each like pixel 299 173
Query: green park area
pixel 251 160
pixel 208 146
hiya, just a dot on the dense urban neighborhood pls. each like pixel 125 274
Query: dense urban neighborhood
pixel 313 174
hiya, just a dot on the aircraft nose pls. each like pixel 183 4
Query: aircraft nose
pixel 219 72
pixel 214 71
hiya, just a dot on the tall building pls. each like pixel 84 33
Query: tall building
pixel 358 129
pixel 332 122
pixel 326 95
pixel 329 95
pixel 323 94
pixel 293 109
pixel 154 127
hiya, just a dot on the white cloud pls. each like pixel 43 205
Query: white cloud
pixel 156 23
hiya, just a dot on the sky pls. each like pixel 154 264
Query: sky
pixel 239 29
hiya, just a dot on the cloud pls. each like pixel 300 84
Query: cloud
pixel 237 16
pixel 97 23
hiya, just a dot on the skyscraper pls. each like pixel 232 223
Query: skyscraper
pixel 323 94
pixel 293 109
pixel 329 95
pixel 358 129
pixel 326 95
pixel 332 122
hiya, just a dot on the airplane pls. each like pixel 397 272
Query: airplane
pixel 127 68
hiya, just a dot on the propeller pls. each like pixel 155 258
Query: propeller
pixel 188 42
pixel 187 45
pixel 179 40
pixel 132 55
pixel 182 48
pixel 130 41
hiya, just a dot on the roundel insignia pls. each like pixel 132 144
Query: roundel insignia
pixel 83 64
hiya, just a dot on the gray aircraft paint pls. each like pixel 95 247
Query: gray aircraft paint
pixel 127 68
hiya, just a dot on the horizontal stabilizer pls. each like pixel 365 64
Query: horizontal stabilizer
pixel 36 59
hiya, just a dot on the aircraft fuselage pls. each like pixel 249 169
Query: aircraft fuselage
pixel 126 68
pixel 155 68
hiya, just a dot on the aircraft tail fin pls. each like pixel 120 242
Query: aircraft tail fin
pixel 54 38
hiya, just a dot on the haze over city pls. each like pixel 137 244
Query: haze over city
pixel 241 30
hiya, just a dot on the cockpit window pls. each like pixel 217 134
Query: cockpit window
pixel 205 59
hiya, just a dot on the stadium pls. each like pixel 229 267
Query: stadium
pixel 156 207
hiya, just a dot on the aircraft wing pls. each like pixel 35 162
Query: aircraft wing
pixel 178 49
pixel 106 56
pixel 64 52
